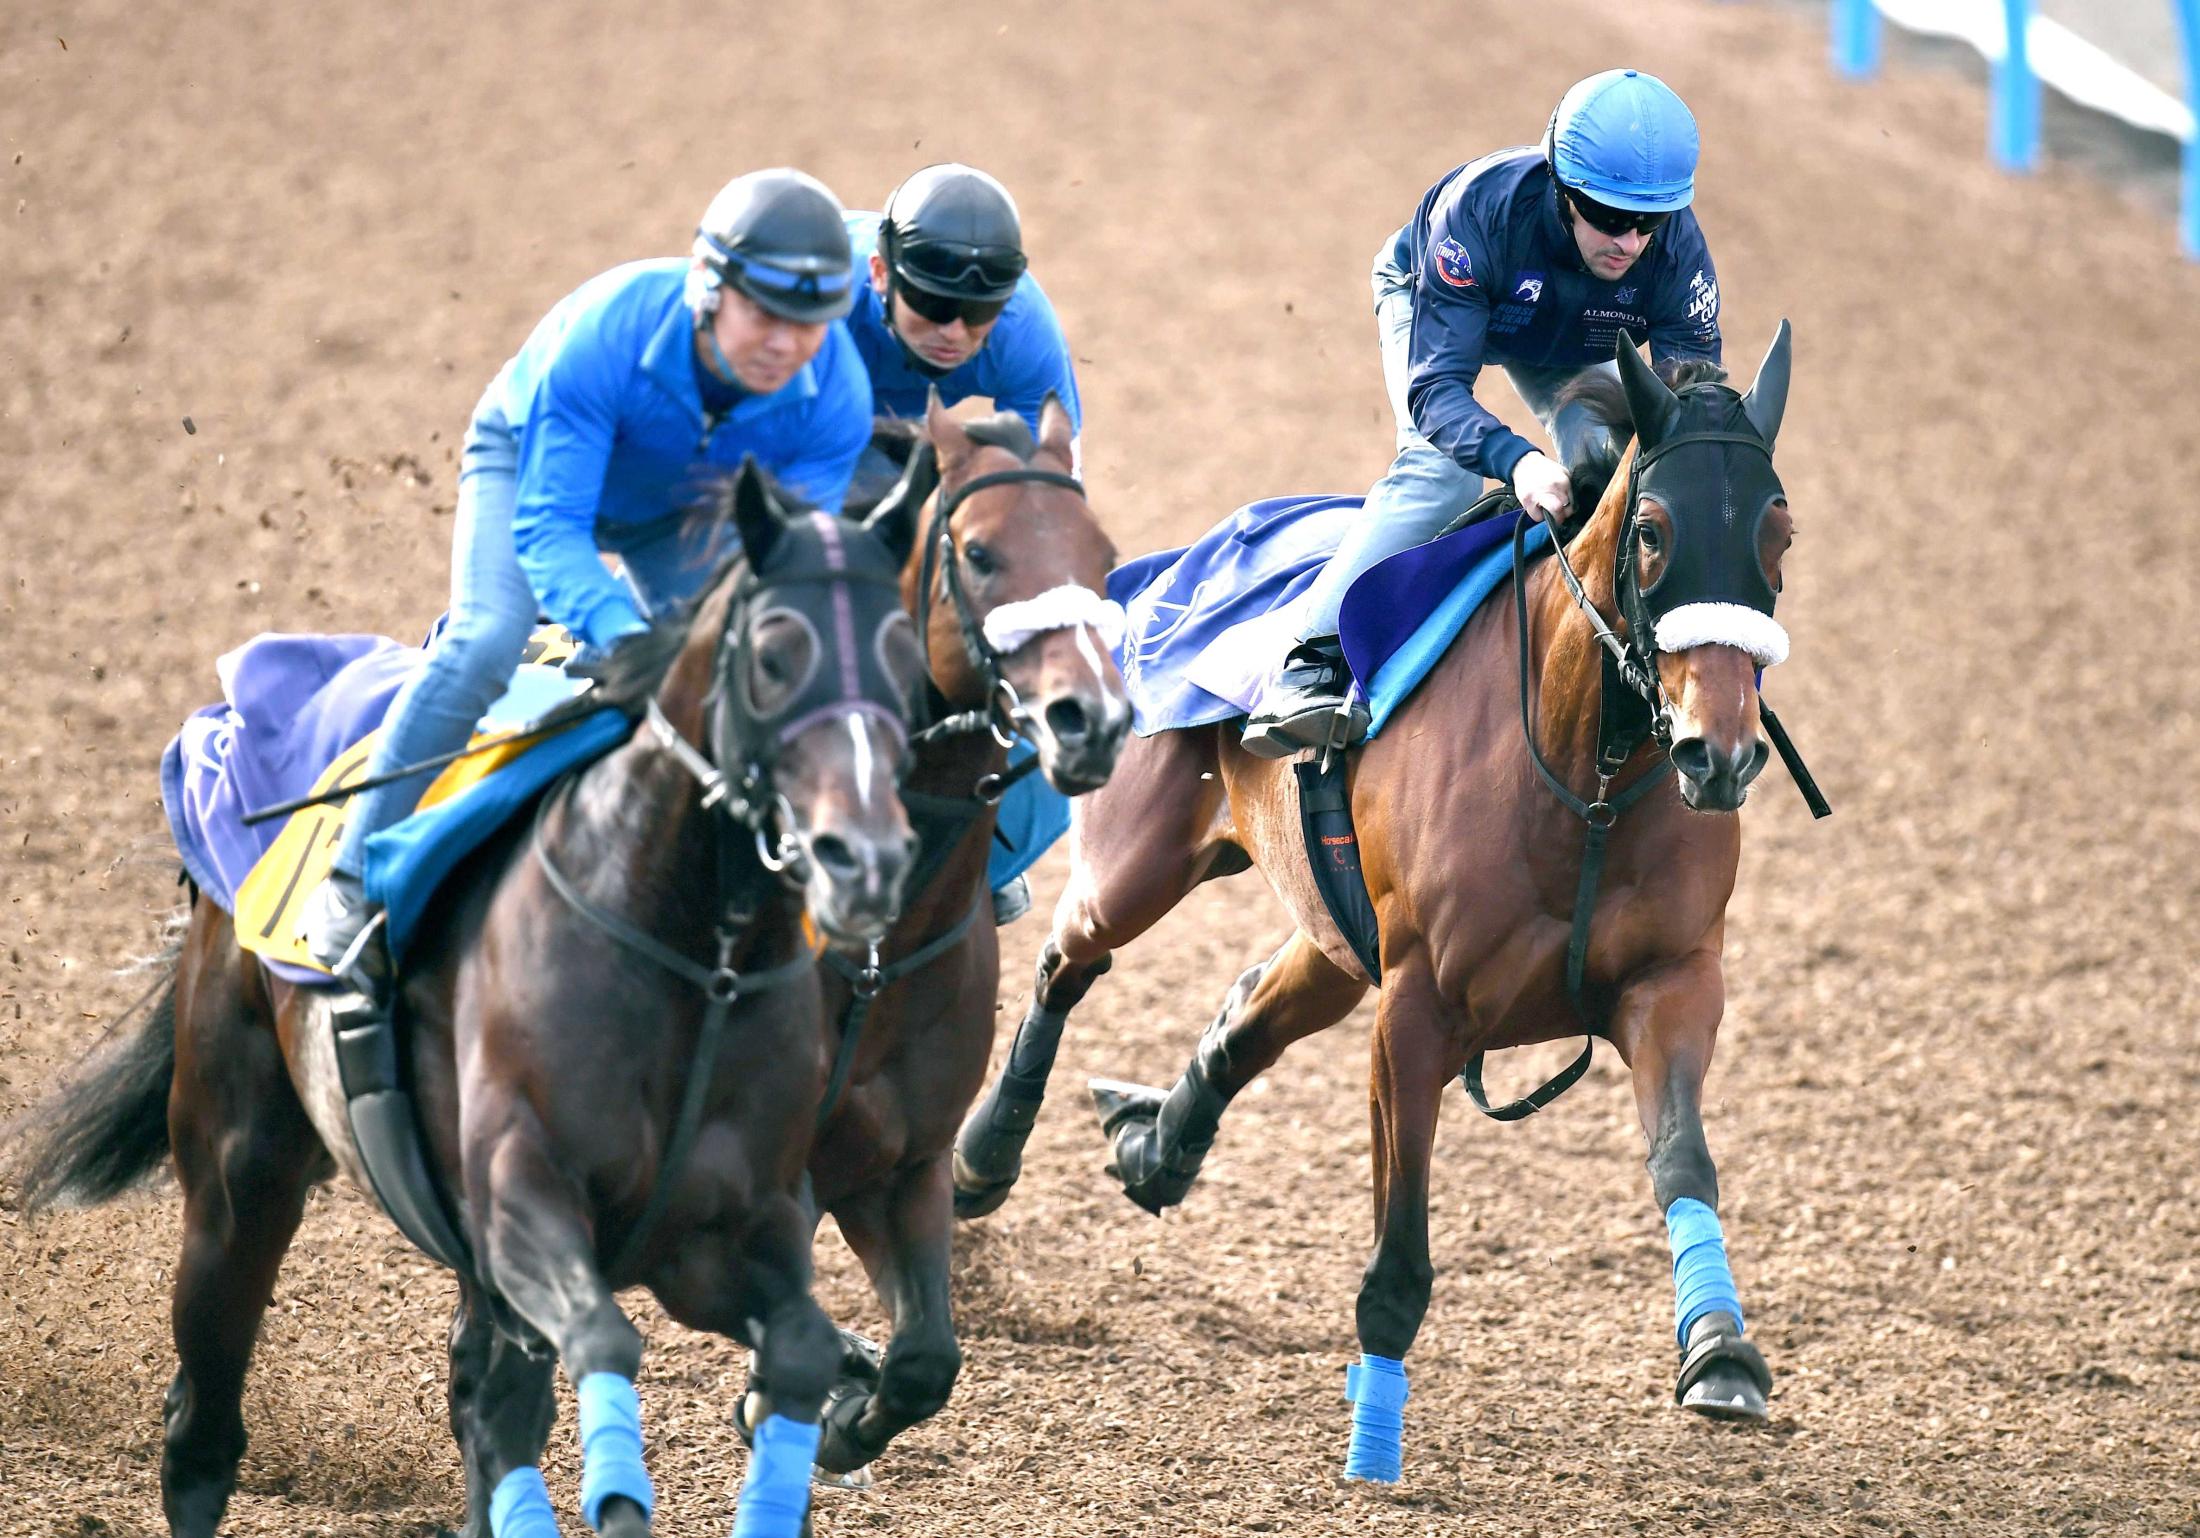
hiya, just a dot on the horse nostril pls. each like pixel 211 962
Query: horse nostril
pixel 1692 756
pixel 1066 719
pixel 832 853
pixel 1753 760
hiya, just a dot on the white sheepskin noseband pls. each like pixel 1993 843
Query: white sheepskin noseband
pixel 1724 624
pixel 1060 608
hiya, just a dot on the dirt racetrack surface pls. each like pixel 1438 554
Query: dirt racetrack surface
pixel 1957 1091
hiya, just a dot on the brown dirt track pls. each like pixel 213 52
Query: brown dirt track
pixel 1956 1102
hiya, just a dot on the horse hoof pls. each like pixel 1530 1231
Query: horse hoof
pixel 1119 1103
pixel 1723 1375
pixel 1130 1119
pixel 975 1195
pixel 854 1479
pixel 623 1519
pixel 1726 1393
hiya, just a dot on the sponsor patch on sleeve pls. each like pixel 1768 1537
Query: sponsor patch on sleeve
pixel 1453 264
pixel 1703 299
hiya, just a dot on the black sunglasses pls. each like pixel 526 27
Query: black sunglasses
pixel 946 309
pixel 1608 220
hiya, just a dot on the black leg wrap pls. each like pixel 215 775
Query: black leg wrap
pixel 841 1449
pixel 1723 1374
pixel 1159 1141
pixel 989 1150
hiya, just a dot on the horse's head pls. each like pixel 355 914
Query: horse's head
pixel 811 666
pixel 1705 526
pixel 1009 587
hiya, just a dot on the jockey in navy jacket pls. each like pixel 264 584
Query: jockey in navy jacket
pixel 1535 259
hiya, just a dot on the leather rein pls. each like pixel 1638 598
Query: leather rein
pixel 1634 710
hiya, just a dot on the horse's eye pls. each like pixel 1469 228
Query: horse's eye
pixel 979 558
pixel 1651 540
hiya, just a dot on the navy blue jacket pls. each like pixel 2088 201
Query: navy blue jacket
pixel 1498 279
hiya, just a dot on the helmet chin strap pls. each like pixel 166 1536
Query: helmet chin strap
pixel 720 363
pixel 917 360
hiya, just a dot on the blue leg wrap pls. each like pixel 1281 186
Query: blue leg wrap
pixel 1377 1388
pixel 1702 1284
pixel 611 1446
pixel 776 1493
pixel 520 1508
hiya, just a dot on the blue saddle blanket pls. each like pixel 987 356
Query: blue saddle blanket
pixel 291 705
pixel 1208 623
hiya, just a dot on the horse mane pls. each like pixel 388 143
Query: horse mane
pixel 632 673
pixel 1600 393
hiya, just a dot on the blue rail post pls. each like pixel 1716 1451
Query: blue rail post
pixel 2188 18
pixel 1856 37
pixel 2016 114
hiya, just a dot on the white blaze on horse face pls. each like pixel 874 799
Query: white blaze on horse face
pixel 1104 676
pixel 859 727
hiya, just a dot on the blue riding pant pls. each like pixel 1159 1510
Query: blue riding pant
pixel 1425 488
pixel 473 655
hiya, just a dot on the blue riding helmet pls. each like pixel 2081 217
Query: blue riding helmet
pixel 1625 140
pixel 780 237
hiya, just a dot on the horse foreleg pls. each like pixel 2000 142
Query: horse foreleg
pixel 1160 1140
pixel 1665 1025
pixel 902 1232
pixel 1137 846
pixel 539 1250
pixel 246 1154
pixel 1412 1058
pixel 502 1403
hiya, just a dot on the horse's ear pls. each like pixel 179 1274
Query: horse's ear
pixel 1057 434
pixel 756 515
pixel 1649 402
pixel 1767 399
pixel 894 520
pixel 948 438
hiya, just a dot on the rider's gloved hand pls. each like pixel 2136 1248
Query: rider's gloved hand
pixel 626 667
pixel 1544 488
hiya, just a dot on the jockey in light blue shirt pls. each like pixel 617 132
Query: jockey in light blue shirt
pixel 628 399
pixel 945 301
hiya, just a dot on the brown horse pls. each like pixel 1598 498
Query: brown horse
pixel 1005 577
pixel 615 1031
pixel 1473 854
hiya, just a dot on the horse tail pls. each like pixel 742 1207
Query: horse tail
pixel 107 1130
pixel 1591 423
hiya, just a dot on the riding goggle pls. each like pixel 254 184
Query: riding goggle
pixel 1608 220
pixel 939 265
pixel 946 309
pixel 768 284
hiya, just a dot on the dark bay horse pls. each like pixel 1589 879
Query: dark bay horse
pixel 644 948
pixel 1006 574
pixel 1473 855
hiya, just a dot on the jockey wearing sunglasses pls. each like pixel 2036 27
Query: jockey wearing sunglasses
pixel 1534 259
pixel 949 304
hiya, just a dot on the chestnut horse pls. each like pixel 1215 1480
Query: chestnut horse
pixel 615 1033
pixel 1006 573
pixel 1470 814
